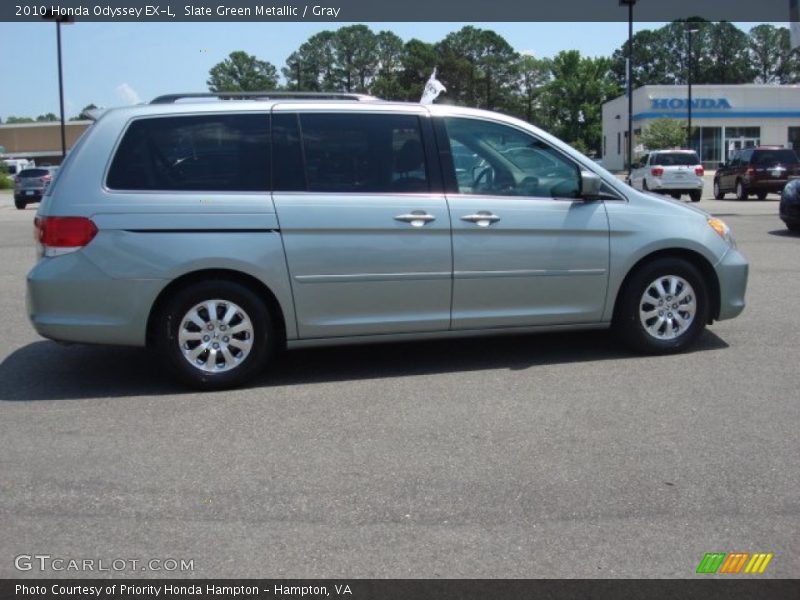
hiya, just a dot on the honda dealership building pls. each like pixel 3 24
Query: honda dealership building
pixel 724 119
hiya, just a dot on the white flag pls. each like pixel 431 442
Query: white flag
pixel 432 89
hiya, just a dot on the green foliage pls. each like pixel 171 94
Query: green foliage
pixel 478 67
pixel 242 72
pixel 772 56
pixel 721 54
pixel 48 118
pixel 5 181
pixel 82 115
pixel 15 120
pixel 573 97
pixel 664 133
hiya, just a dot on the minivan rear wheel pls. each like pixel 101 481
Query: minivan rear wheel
pixel 214 334
pixel 663 308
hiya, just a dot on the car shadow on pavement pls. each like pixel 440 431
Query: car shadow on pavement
pixel 49 371
pixel 784 233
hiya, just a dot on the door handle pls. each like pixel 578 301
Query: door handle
pixel 482 218
pixel 417 218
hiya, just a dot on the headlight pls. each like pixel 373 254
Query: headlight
pixel 722 230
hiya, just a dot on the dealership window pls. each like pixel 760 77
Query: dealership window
pixel 619 143
pixel 707 142
pixel 604 145
pixel 794 138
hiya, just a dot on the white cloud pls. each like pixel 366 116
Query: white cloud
pixel 127 94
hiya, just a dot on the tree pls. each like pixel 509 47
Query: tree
pixel 574 96
pixel 47 118
pixel 242 72
pixel 720 54
pixel 311 67
pixel 664 133
pixel 532 76
pixel 418 60
pixel 478 67
pixel 355 49
pixel 82 115
pixel 772 56
pixel 15 120
pixel 389 56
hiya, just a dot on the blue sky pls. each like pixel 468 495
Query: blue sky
pixel 112 64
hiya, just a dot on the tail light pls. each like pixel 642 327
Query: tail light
pixel 699 171
pixel 60 235
pixel 750 171
pixel 657 171
pixel 45 178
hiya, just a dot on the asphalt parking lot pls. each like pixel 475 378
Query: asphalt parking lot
pixel 533 456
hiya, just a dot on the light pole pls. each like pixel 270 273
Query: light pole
pixel 693 28
pixel 628 83
pixel 49 15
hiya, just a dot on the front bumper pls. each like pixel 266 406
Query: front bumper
pixel 732 273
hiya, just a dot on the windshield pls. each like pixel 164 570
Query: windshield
pixel 12 169
pixel 771 157
pixel 672 159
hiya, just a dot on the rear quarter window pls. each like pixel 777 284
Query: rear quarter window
pixel 225 153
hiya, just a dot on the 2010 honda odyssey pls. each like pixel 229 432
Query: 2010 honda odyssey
pixel 217 232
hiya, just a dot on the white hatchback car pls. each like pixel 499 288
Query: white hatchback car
pixel 673 172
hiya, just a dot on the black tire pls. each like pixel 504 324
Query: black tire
pixel 644 185
pixel 761 195
pixel 262 335
pixel 628 322
pixel 695 195
pixel 718 193
pixel 795 227
pixel 676 196
pixel 20 204
pixel 741 192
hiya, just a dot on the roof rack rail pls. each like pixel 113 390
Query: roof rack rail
pixel 172 98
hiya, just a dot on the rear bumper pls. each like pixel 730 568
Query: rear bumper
pixel 732 272
pixel 35 196
pixel 69 299
pixel 774 186
pixel 685 186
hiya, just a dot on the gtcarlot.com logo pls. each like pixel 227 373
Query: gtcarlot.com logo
pixel 46 562
pixel 734 562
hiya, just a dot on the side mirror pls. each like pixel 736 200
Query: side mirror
pixel 590 184
pixel 636 165
pixel 721 165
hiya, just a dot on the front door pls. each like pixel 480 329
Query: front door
pixel 526 250
pixel 366 234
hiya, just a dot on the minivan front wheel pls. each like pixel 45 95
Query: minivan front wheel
pixel 214 334
pixel 664 307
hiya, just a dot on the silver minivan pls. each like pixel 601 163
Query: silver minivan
pixel 217 232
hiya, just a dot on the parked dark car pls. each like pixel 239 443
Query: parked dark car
pixel 790 205
pixel 30 184
pixel 760 171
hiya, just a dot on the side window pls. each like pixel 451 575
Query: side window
pixel 371 153
pixel 495 159
pixel 746 156
pixel 644 160
pixel 226 153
